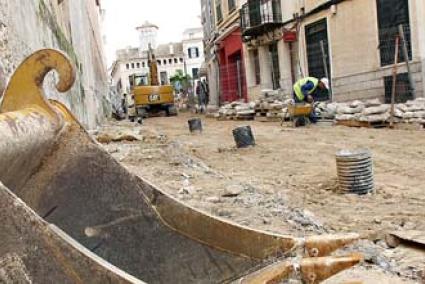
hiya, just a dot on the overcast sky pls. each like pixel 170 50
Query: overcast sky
pixel 123 16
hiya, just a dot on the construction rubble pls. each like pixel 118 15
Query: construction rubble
pixel 271 107
pixel 374 111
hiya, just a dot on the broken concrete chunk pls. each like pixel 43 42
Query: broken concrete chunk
pixel 213 199
pixel 402 107
pixel 233 190
pixel 356 103
pixel 372 103
pixel 344 109
pixel 105 138
pixel 375 117
pixel 413 114
pixel 376 110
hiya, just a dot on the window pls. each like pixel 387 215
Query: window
pixel 181 60
pixel 257 67
pixel 315 34
pixel 176 60
pixel 158 62
pixel 127 66
pixel 170 61
pixel 193 52
pixel 132 65
pixel 138 65
pixel 402 88
pixel 218 11
pixel 164 61
pixel 392 14
pixel 232 5
pixel 195 72
pixel 143 64
pixel 131 81
pixel 164 78
pixel 274 55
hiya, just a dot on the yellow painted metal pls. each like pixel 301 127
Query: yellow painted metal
pixel 324 245
pixel 153 95
pixel 25 87
pixel 311 270
pixel 275 273
pixel 28 122
pixel 66 113
pixel 317 269
pixel 220 234
pixel 299 109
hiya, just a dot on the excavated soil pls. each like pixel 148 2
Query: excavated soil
pixel 287 183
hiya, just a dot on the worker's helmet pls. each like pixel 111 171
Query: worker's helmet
pixel 325 82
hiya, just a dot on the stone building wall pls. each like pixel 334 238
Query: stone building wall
pixel 71 26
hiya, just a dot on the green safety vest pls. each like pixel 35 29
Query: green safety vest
pixel 298 85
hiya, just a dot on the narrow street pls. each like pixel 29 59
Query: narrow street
pixel 308 168
pixel 286 184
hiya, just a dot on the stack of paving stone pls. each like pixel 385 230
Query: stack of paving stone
pixel 236 111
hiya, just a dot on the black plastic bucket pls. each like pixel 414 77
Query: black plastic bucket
pixel 243 137
pixel 195 125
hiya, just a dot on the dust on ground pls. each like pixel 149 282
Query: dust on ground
pixel 287 184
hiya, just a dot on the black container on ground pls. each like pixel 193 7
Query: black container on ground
pixel 195 125
pixel 243 137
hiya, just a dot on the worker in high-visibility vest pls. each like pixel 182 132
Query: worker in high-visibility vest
pixel 305 90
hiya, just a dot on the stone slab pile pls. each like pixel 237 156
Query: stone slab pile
pixel 373 111
pixel 271 106
pixel 236 111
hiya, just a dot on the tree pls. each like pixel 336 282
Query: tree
pixel 181 82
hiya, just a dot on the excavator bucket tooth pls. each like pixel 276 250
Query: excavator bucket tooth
pixel 100 223
pixel 324 245
pixel 317 269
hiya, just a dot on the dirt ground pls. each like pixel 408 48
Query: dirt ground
pixel 287 183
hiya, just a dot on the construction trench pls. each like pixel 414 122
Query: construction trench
pixel 71 213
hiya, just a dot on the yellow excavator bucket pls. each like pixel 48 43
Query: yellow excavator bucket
pixel 73 214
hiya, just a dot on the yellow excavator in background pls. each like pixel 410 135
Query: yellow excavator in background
pixel 148 95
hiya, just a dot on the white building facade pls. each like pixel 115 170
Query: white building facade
pixel 193 49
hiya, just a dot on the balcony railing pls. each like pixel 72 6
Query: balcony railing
pixel 260 16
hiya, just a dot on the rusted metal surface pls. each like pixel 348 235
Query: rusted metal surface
pixel 324 245
pixel 28 123
pixel 271 274
pixel 26 136
pixel 216 233
pixel 93 203
pixel 315 270
pixel 44 254
pixel 308 270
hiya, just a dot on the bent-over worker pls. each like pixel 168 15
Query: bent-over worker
pixel 307 90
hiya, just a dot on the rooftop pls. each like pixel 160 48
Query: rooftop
pixel 147 24
pixel 163 50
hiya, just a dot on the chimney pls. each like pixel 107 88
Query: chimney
pixel 171 48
